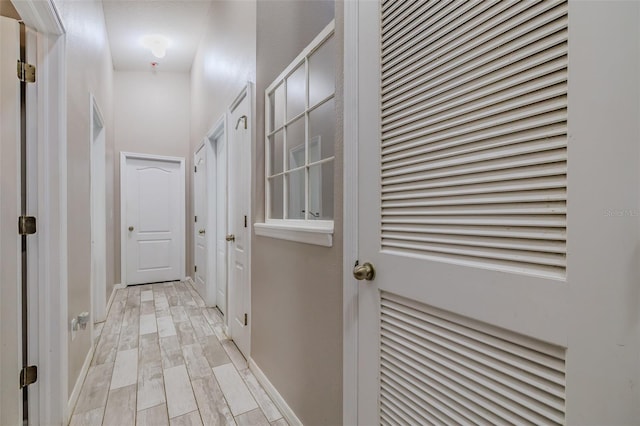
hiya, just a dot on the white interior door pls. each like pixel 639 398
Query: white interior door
pixel 200 227
pixel 484 308
pixel 219 176
pixel 98 216
pixel 10 270
pixel 239 215
pixel 153 205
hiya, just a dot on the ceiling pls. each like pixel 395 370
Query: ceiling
pixel 181 21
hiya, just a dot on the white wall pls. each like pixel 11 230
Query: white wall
pixel 151 114
pixel 225 61
pixel 296 289
pixel 89 70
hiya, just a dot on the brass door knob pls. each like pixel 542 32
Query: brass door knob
pixel 130 228
pixel 201 231
pixel 231 237
pixel 364 272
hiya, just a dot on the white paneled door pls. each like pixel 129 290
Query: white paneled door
pixel 219 147
pixel 500 277
pixel 200 202
pixel 153 207
pixel 239 138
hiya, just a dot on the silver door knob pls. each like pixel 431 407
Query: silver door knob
pixel 201 231
pixel 231 237
pixel 364 272
pixel 130 228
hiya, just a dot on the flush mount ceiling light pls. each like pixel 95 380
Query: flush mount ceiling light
pixel 156 43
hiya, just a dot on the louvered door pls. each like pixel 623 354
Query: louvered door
pixel 498 200
pixel 464 130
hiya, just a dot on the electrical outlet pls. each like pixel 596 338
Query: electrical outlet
pixel 74 328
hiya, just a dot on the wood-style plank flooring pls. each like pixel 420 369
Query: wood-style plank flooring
pixel 163 358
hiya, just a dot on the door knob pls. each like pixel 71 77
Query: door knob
pixel 130 228
pixel 202 231
pixel 231 237
pixel 364 272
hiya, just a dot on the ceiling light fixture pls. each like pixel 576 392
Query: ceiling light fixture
pixel 157 44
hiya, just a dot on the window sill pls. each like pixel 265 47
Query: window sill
pixel 320 235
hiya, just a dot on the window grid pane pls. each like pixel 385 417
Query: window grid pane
pixel 320 191
pixel 322 72
pixel 276 188
pixel 306 192
pixel 285 198
pixel 296 144
pixel 297 91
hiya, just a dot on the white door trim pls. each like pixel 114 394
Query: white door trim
pixel 350 218
pixel 124 156
pixel 52 349
pixel 98 290
pixel 53 373
pixel 218 130
pixel 42 16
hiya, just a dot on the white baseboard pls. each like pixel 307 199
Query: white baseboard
pixel 73 399
pixel 113 295
pixel 277 399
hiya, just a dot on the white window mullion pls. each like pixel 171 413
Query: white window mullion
pixel 285 166
pixel 267 156
pixel 306 138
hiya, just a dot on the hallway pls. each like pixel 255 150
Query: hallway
pixel 163 358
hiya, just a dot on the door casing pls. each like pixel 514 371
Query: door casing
pixel 47 186
pixel 215 148
pixel 97 143
pixel 350 217
pixel 216 143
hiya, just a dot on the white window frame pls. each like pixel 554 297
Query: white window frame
pixel 310 231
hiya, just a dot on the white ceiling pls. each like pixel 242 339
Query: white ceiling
pixel 181 21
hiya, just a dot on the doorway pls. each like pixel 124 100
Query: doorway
pixel 211 211
pixel 152 204
pixel 98 213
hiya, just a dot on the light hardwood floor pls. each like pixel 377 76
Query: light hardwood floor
pixel 162 358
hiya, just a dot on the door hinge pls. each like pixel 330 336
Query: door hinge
pixel 246 319
pixel 26 72
pixel 26 225
pixel 195 268
pixel 195 218
pixel 245 221
pixel 28 376
pixel 195 169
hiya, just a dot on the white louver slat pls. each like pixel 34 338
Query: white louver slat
pixel 474 134
pixel 440 368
